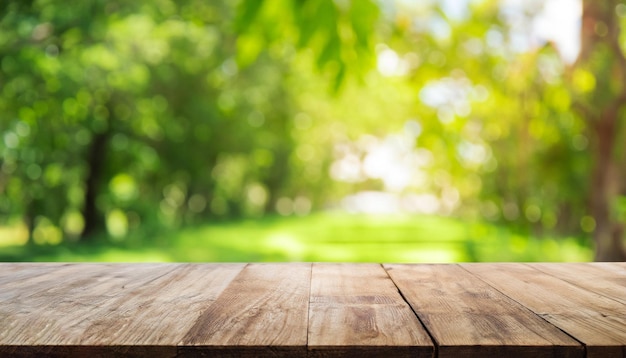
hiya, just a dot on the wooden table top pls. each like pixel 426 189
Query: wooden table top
pixel 319 309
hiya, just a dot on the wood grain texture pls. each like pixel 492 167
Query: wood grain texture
pixel 599 278
pixel 355 310
pixel 299 309
pixel 592 318
pixel 467 317
pixel 264 311
pixel 161 311
pixel 108 309
pixel 12 273
pixel 54 309
pixel 617 266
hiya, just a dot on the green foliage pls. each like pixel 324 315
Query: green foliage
pixel 322 237
pixel 338 32
pixel 141 106
pixel 116 117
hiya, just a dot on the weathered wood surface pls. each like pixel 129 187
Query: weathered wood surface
pixel 321 309
pixel 356 309
pixel 575 305
pixel 466 316
pixel 264 310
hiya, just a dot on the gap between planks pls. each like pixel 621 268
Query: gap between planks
pixel 594 319
pixel 530 310
pixel 432 338
pixel 356 309
pixel 467 316
pixel 498 281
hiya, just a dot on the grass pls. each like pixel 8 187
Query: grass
pixel 318 237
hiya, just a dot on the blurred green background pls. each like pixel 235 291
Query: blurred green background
pixel 312 130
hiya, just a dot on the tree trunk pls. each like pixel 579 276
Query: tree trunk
pixel 601 54
pixel 96 160
pixel 605 189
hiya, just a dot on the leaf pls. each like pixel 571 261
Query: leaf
pixel 363 17
pixel 339 78
pixel 247 11
pixel 330 52
pixel 249 46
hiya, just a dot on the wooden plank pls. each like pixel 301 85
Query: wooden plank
pixel 38 310
pixel 597 321
pixel 48 313
pixel 596 277
pixel 224 309
pixel 263 312
pixel 356 310
pixel 161 312
pixel 112 309
pixel 21 281
pixel 467 317
pixel 16 272
pixel 619 266
pixel 80 351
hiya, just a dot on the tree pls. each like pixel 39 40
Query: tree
pixel 599 84
pixel 178 112
pixel 139 113
pixel 597 88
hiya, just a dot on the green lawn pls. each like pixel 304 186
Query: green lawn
pixel 319 237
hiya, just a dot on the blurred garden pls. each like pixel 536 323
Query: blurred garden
pixel 312 130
